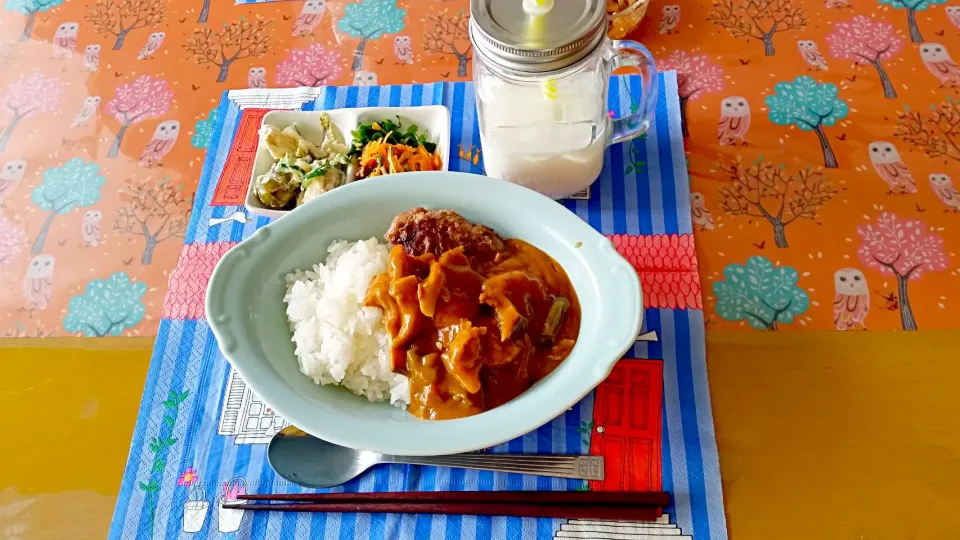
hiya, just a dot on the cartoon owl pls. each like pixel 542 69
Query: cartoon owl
pixel 701 215
pixel 65 40
pixel 943 187
pixel 91 57
pixel 365 78
pixel 734 120
pixel 309 17
pixel 10 175
pixel 670 18
pixel 811 54
pixel 938 61
pixel 257 77
pixel 953 13
pixel 38 282
pixel 152 45
pixel 851 299
pixel 888 164
pixel 87 111
pixel 403 49
pixel 164 137
pixel 90 228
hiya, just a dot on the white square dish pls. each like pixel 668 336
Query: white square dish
pixel 434 119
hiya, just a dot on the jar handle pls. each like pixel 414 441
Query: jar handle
pixel 633 54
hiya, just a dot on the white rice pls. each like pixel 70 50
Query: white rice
pixel 338 340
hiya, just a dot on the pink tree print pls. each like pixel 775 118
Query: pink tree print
pixel 144 98
pixel 866 41
pixel 312 66
pixel 31 93
pixel 696 75
pixel 12 240
pixel 187 288
pixel 904 248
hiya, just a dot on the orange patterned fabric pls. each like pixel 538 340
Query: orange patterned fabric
pixel 823 137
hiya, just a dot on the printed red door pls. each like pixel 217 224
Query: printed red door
pixel 232 187
pixel 627 427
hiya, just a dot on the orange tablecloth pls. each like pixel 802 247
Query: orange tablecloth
pixel 106 108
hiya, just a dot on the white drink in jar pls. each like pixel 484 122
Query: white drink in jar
pixel 549 137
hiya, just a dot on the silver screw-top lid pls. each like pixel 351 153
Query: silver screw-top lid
pixel 511 36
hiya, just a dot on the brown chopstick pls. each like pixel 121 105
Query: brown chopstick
pixel 598 498
pixel 629 506
pixel 570 511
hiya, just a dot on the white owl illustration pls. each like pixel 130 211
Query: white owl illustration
pixel 698 210
pixel 851 299
pixel 734 120
pixel 91 57
pixel 87 111
pixel 943 187
pixel 811 54
pixel 257 77
pixel 670 18
pixel 90 228
pixel 65 40
pixel 953 13
pixel 889 165
pixel 10 175
pixel 164 137
pixel 152 45
pixel 938 61
pixel 403 49
pixel 38 282
pixel 365 78
pixel 309 17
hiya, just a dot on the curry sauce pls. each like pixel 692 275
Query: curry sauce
pixel 472 332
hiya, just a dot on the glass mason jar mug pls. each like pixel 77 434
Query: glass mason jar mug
pixel 541 77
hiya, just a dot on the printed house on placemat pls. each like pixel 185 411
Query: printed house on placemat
pixel 245 416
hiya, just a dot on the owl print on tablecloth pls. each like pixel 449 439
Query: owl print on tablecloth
pixel 164 137
pixel 309 17
pixel 10 175
pixel 953 13
pixel 734 121
pixel 669 18
pixel 699 213
pixel 38 282
pixel 365 78
pixel 65 40
pixel 257 77
pixel 937 60
pixel 90 228
pixel 152 45
pixel 87 111
pixel 811 54
pixel 891 168
pixel 943 187
pixel 91 57
pixel 851 299
pixel 403 50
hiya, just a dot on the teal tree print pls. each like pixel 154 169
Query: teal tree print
pixel 203 131
pixel 760 294
pixel 64 189
pixel 30 8
pixel 912 7
pixel 370 19
pixel 106 307
pixel 809 106
pixel 159 446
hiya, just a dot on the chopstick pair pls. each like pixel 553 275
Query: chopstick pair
pixel 625 506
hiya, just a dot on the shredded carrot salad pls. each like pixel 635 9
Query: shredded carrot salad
pixel 380 157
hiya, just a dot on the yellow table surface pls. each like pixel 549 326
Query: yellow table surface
pixel 821 435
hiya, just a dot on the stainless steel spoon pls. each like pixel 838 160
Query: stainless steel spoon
pixel 311 462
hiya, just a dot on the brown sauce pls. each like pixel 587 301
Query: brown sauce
pixel 474 333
